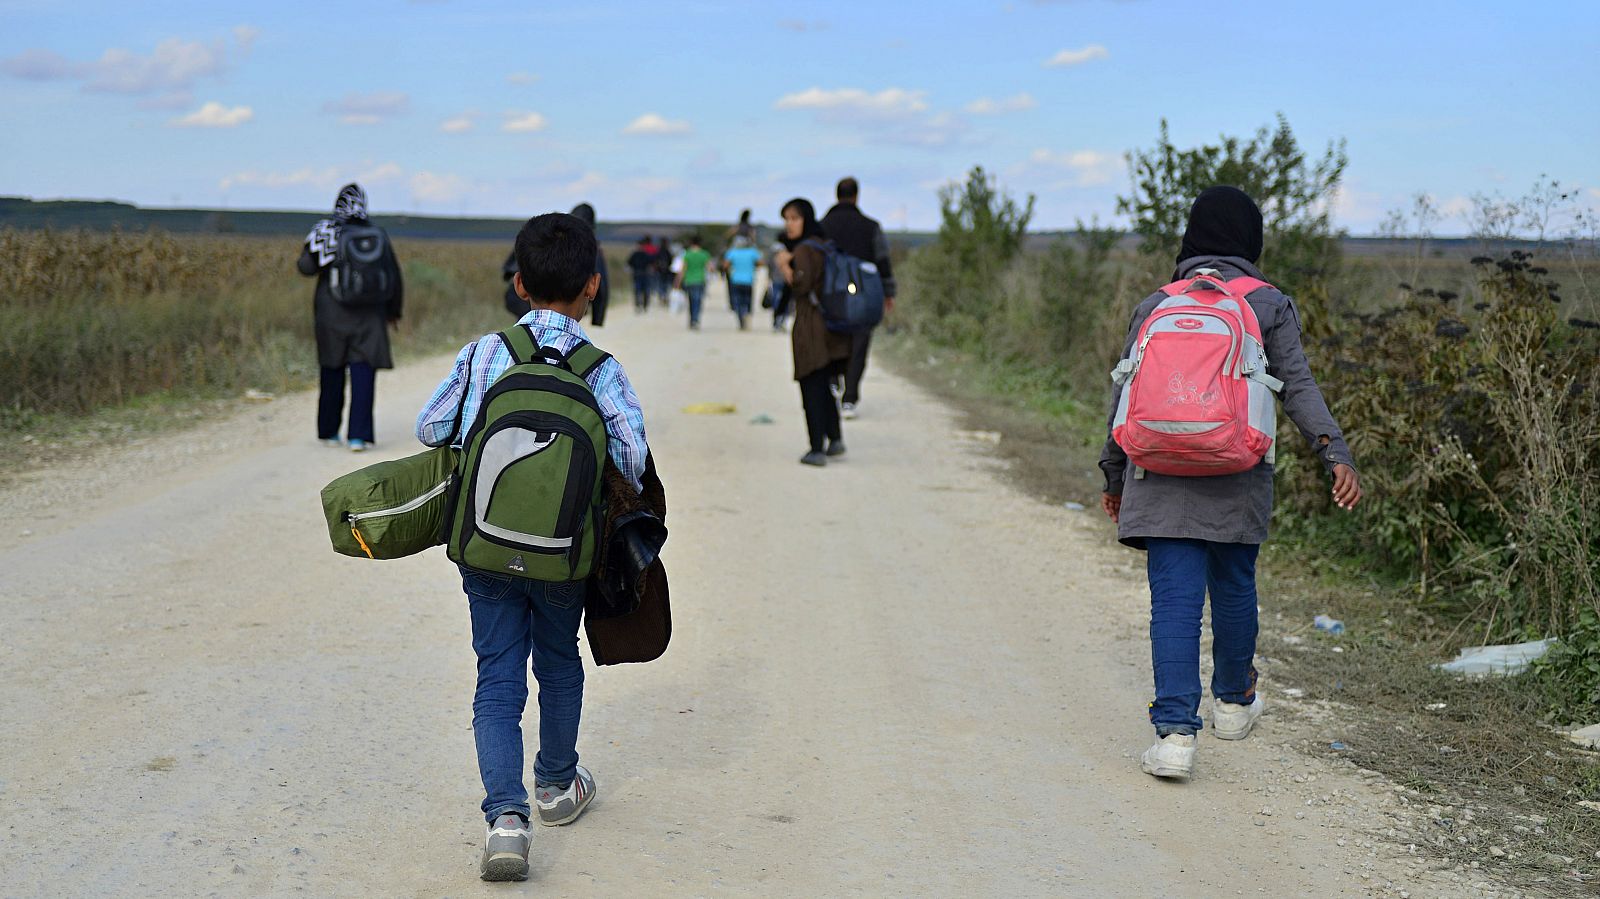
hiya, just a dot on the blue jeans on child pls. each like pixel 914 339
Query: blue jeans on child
pixel 513 619
pixel 1181 573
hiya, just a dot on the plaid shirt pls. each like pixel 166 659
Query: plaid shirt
pixel 618 403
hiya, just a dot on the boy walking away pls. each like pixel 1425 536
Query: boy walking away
pixel 514 616
pixel 693 278
pixel 857 235
pixel 358 295
pixel 641 264
pixel 741 262
pixel 1189 462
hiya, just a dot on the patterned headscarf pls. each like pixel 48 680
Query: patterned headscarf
pixel 351 206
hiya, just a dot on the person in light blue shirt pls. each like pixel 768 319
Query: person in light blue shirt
pixel 741 262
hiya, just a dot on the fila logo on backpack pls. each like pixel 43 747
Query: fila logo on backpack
pixel 1196 396
pixel 361 275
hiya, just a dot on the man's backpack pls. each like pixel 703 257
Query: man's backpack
pixel 362 273
pixel 528 501
pixel 1196 396
pixel 851 292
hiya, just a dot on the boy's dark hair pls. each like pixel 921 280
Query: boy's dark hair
pixel 848 189
pixel 694 240
pixel 555 254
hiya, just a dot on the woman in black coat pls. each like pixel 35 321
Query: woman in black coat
pixel 350 336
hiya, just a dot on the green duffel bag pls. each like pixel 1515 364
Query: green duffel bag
pixel 391 509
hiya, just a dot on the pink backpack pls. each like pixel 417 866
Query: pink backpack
pixel 1196 396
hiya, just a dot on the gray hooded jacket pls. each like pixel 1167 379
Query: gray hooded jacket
pixel 1235 508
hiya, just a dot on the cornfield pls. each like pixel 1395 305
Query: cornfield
pixel 95 319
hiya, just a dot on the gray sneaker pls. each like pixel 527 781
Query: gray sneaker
pixel 558 805
pixel 505 849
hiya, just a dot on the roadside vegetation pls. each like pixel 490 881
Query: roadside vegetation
pixel 1469 389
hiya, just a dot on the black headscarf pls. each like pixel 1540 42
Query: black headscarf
pixel 585 212
pixel 1223 221
pixel 351 206
pixel 811 229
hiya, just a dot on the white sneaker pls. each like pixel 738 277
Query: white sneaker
pixel 357 446
pixel 847 411
pixel 1172 756
pixel 334 442
pixel 1233 721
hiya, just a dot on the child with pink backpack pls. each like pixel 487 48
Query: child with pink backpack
pixel 1189 461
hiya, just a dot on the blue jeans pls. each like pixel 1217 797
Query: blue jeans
pixel 513 618
pixel 739 298
pixel 697 296
pixel 1181 573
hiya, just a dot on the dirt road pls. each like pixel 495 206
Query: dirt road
pixel 895 676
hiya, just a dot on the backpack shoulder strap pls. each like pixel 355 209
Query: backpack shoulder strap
pixel 519 340
pixel 585 358
pixel 1244 286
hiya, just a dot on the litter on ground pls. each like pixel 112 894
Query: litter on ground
pixel 979 436
pixel 1481 661
pixel 710 409
pixel 1587 737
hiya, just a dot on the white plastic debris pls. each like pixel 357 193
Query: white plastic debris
pixel 1587 737
pixel 1481 661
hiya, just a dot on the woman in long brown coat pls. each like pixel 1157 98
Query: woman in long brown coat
pixel 820 355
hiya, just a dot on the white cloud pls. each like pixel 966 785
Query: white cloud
pixel 325 178
pixel 889 101
pixel 459 124
pixel 429 187
pixel 987 106
pixel 378 174
pixel 521 79
pixel 368 109
pixel 1077 57
pixel 1074 168
pixel 215 115
pixel 172 68
pixel 523 122
pixel 245 36
pixel 174 65
pixel 656 125
pixel 40 65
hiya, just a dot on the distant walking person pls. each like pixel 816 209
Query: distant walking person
pixel 862 237
pixel 597 310
pixel 508 272
pixel 663 268
pixel 741 261
pixel 641 265
pixel 820 355
pixel 692 279
pixel 1189 462
pixel 358 294
pixel 742 229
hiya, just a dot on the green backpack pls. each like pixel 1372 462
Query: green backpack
pixel 528 499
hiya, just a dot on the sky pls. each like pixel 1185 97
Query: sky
pixel 695 109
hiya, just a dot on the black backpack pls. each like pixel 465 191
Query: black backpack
pixel 850 295
pixel 362 274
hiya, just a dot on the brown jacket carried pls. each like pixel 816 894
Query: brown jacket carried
pixel 641 633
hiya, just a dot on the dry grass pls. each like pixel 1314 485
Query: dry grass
pixel 96 320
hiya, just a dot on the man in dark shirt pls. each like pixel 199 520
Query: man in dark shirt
pixel 862 237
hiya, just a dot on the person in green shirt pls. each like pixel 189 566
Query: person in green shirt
pixel 696 262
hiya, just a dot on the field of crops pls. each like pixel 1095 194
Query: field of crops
pixel 97 319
